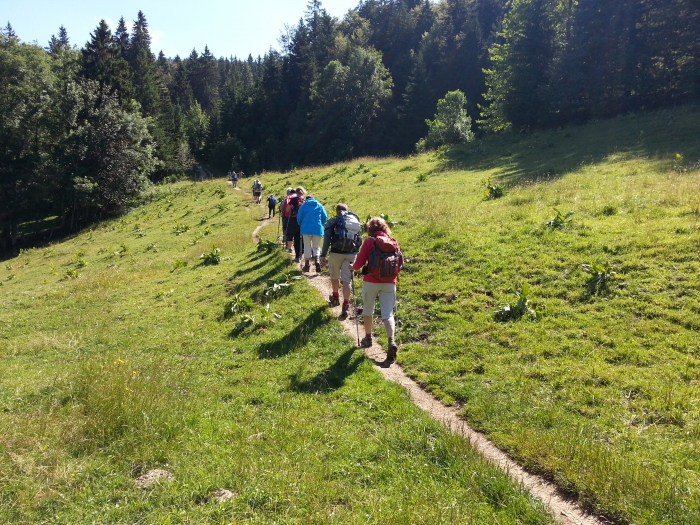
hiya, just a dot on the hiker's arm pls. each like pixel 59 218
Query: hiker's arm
pixel 327 232
pixel 363 256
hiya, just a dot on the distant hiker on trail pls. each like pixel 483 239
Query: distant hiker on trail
pixel 257 191
pixel 311 218
pixel 380 260
pixel 271 206
pixel 342 236
pixel 234 179
pixel 290 208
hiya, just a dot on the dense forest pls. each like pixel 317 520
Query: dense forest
pixel 84 130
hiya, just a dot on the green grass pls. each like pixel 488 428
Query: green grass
pixel 601 394
pixel 116 355
pixel 120 353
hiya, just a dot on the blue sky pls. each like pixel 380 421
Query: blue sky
pixel 229 28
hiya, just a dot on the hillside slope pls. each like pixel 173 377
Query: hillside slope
pixel 120 351
pixel 602 390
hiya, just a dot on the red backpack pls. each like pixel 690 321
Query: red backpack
pixel 385 259
pixel 288 209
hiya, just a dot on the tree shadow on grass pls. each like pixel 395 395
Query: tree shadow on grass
pixel 264 260
pixel 283 266
pixel 297 337
pixel 550 154
pixel 332 378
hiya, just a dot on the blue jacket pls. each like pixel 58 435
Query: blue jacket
pixel 311 217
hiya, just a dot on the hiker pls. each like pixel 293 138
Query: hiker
pixel 380 260
pixel 234 179
pixel 271 205
pixel 290 209
pixel 311 218
pixel 342 236
pixel 284 213
pixel 257 191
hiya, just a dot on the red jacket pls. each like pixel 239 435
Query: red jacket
pixel 363 257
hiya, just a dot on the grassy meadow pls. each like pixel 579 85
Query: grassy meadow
pixel 121 352
pixel 598 387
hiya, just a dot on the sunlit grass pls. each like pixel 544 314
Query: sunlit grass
pixel 133 366
pixel 603 393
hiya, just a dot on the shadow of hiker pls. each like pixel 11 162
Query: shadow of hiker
pixel 296 337
pixel 332 378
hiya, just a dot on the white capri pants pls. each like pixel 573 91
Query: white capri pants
pixel 387 298
pixel 312 246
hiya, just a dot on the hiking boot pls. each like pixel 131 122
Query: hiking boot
pixel 297 259
pixel 344 312
pixel 306 267
pixel 333 300
pixel 318 266
pixel 366 341
pixel 391 352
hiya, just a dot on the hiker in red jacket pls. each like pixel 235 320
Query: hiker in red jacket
pixel 380 269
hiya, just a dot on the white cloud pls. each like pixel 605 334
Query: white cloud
pixel 157 38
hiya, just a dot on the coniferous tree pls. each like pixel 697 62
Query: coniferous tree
pixel 519 77
pixel 180 88
pixel 60 42
pixel 121 36
pixel 101 62
pixel 204 79
pixel 140 37
pixel 8 31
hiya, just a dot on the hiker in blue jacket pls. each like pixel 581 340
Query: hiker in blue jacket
pixel 271 206
pixel 311 218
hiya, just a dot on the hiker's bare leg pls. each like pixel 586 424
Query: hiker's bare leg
pixel 368 325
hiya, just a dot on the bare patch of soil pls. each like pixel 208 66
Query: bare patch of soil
pixel 222 495
pixel 152 477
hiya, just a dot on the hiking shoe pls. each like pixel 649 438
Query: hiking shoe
pixel 391 352
pixel 297 259
pixel 333 300
pixel 366 341
pixel 306 267
pixel 318 267
pixel 344 312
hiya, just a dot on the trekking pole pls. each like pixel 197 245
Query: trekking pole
pixel 279 221
pixel 354 305
pixel 396 318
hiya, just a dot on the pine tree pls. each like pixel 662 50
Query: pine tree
pixel 58 44
pixel 519 76
pixel 9 32
pixel 180 88
pixel 140 38
pixel 101 62
pixel 121 36
pixel 204 79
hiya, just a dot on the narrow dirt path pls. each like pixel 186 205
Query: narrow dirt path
pixel 564 509
pixel 231 183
